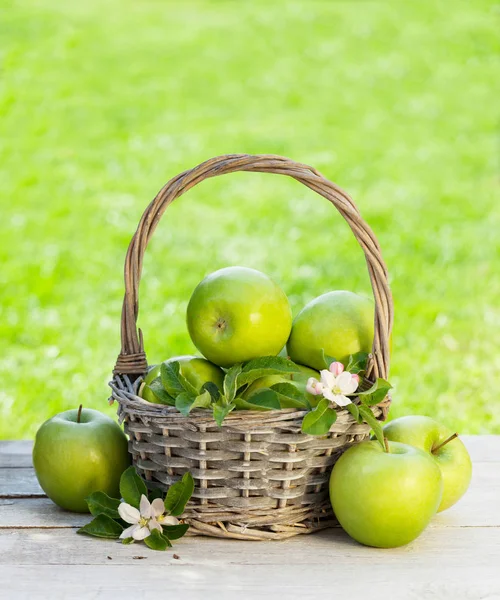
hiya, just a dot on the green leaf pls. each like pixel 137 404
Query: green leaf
pixel 203 400
pixel 221 410
pixel 267 365
pixel 184 402
pixel 100 503
pixel 264 398
pixel 242 404
pixel 376 393
pixel 127 541
pixel 376 426
pixel 173 381
pixel 354 410
pixel 157 541
pixel 212 389
pixel 319 421
pixel 290 396
pixel 327 360
pixel 357 362
pixel 178 495
pixel 230 382
pixel 103 527
pixel 132 487
pixel 160 394
pixel 175 532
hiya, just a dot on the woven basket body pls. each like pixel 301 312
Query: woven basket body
pixel 258 476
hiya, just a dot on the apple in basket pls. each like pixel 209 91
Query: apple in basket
pixel 385 498
pixel 237 314
pixel 338 323
pixel 442 444
pixel 195 369
pixel 79 452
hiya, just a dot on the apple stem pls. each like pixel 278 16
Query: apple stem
pixel 386 444
pixel 448 439
pixel 79 413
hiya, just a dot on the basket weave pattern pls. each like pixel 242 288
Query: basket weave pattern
pixel 258 476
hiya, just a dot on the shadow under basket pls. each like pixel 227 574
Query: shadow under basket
pixel 258 477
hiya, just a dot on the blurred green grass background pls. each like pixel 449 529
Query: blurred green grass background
pixel 101 104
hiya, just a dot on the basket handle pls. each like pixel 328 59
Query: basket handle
pixel 132 358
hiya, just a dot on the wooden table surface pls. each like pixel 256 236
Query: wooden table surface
pixel 458 557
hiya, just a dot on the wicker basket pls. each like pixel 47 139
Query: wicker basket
pixel 258 476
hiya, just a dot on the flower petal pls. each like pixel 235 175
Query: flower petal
pixel 170 521
pixel 336 368
pixel 145 507
pixel 327 378
pixel 329 395
pixel 342 400
pixel 343 382
pixel 129 532
pixel 141 533
pixel 157 507
pixel 314 386
pixel 128 513
pixel 153 524
pixel 352 386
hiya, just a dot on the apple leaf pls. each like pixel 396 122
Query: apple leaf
pixel 221 410
pixel 160 394
pixel 184 403
pixel 175 532
pixel 290 397
pixel 357 362
pixel 319 420
pixel 173 381
pixel 102 526
pixel 212 389
pixel 265 399
pixel 100 503
pixel 370 419
pixel 242 404
pixel 178 495
pixel 230 382
pixel 129 540
pixel 327 360
pixel 157 541
pixel 203 400
pixel 267 365
pixel 354 410
pixel 376 393
pixel 132 487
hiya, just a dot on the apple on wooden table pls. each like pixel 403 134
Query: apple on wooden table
pixel 79 452
pixel 385 498
pixel 443 445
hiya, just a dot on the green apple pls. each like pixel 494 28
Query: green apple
pixel 75 455
pixel 237 314
pixel 385 499
pixel 452 457
pixel 339 323
pixel 195 369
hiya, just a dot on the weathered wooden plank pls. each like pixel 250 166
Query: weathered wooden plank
pixel 21 482
pixel 37 513
pixel 16 454
pixel 442 564
pixel 478 508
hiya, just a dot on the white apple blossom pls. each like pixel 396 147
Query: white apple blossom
pixel 335 385
pixel 149 516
